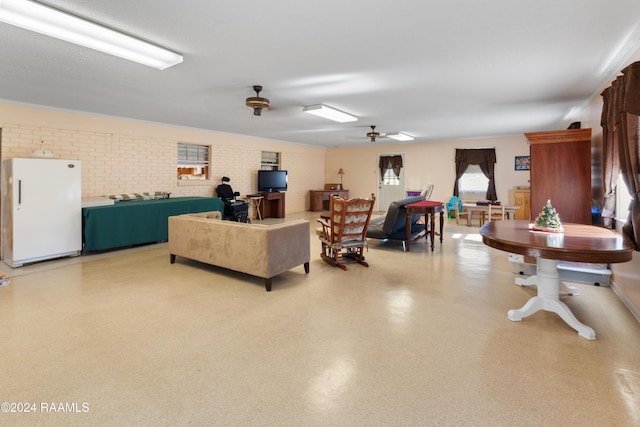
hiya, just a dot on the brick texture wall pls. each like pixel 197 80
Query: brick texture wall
pixel 116 162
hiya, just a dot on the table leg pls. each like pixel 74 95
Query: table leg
pixel 548 298
pixel 432 232
pixel 257 204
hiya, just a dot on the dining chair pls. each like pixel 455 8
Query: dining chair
pixel 495 212
pixel 462 213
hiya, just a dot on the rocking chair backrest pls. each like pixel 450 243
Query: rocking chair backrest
pixel 349 219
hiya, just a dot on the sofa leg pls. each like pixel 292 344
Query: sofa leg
pixel 172 258
pixel 306 267
pixel 267 284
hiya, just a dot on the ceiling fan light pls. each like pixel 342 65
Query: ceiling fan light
pixel 399 136
pixel 257 102
pixel 64 26
pixel 323 111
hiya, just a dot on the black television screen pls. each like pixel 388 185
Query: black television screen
pixel 269 181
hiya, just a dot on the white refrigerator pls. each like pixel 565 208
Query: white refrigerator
pixel 41 209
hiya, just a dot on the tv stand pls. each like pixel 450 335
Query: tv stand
pixel 272 205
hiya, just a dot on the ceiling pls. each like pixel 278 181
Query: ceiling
pixel 433 69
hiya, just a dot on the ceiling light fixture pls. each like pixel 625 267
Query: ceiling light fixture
pixel 257 102
pixel 373 134
pixel 323 111
pixel 61 25
pixel 399 136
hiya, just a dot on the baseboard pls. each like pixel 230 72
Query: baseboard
pixel 632 308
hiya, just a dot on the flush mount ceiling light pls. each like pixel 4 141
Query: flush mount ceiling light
pixel 257 102
pixel 399 136
pixel 61 25
pixel 323 111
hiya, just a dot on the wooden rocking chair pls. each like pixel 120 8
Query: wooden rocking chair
pixel 343 234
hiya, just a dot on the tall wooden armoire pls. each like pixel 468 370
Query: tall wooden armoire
pixel 561 172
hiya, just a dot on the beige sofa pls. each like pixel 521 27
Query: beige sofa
pixel 256 249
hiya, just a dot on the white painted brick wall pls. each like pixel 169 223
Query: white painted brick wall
pixel 114 163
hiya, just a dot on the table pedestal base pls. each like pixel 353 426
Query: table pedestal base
pixel 548 298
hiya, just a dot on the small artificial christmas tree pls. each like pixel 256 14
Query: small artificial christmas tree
pixel 548 219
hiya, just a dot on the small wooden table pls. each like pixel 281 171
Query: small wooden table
pixel 255 201
pixel 428 208
pixel 578 243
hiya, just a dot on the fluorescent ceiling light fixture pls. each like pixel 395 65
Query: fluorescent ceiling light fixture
pixel 329 113
pixel 61 25
pixel 399 136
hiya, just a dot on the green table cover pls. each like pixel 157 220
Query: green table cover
pixel 128 223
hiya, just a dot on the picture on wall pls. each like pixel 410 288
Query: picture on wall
pixel 523 163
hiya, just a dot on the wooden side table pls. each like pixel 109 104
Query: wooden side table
pixel 429 209
pixel 254 203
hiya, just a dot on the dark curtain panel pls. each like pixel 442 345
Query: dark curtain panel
pixel 485 158
pixel 390 162
pixel 621 113
pixel 611 160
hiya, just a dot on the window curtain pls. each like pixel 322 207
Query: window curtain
pixel 621 117
pixel 611 160
pixel 486 159
pixel 390 162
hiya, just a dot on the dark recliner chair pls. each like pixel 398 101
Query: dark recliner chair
pixel 393 226
pixel 234 210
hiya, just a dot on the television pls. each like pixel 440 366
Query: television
pixel 270 181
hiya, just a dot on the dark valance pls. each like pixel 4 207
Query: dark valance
pixel 476 156
pixel 390 162
pixel 631 94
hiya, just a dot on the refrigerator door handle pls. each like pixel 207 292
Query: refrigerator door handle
pixel 19 191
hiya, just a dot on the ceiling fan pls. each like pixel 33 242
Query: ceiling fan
pixel 373 134
pixel 257 102
pixel 398 136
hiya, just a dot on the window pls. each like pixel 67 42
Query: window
pixel 193 161
pixel 623 200
pixel 473 184
pixel 270 161
pixel 390 178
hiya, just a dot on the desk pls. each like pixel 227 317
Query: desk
pixel 428 208
pixel 578 242
pixel 138 221
pixel 319 199
pixel 254 203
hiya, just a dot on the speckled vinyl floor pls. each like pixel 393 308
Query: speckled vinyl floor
pixel 418 338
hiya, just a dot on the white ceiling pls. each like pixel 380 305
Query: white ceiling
pixel 437 70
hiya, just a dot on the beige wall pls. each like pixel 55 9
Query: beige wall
pixel 126 156
pixel 426 162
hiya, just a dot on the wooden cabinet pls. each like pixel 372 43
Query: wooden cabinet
pixel 272 205
pixel 561 172
pixel 319 199
pixel 522 199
